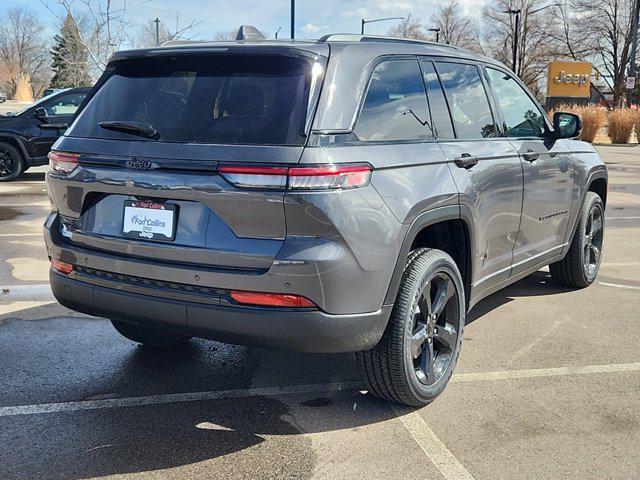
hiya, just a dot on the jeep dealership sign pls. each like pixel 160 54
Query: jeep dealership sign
pixel 569 79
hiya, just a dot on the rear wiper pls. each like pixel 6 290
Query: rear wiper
pixel 135 128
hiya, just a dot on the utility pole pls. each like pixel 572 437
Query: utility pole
pixel 293 19
pixel 157 22
pixel 631 79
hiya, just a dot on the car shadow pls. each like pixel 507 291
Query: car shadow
pixel 536 284
pixel 29 176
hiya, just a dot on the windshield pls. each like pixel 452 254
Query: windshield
pixel 225 99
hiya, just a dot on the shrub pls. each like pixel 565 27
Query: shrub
pixel 621 122
pixel 593 118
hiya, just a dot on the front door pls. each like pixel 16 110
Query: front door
pixel 547 165
pixel 485 167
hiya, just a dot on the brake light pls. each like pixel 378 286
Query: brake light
pixel 271 299
pixel 321 177
pixel 62 162
pixel 61 267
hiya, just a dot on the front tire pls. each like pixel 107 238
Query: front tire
pixel 11 162
pixel 579 268
pixel 418 351
pixel 150 336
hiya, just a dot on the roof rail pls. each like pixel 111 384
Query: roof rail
pixel 173 43
pixel 352 37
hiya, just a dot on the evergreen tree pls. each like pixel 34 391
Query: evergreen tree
pixel 70 59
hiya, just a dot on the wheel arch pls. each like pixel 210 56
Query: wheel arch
pixel 448 228
pixel 15 141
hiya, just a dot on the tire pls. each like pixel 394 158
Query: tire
pixel 398 368
pixel 579 267
pixel 11 162
pixel 150 336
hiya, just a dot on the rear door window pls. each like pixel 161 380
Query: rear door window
pixel 395 107
pixel 220 99
pixel 468 102
pixel 437 103
pixel 63 105
pixel 522 116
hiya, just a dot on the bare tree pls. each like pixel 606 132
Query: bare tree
pixel 23 53
pixel 225 36
pixel 147 33
pixel 409 27
pixel 536 44
pixel 599 32
pixel 455 28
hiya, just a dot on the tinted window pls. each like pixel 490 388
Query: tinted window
pixel 65 104
pixel 467 100
pixel 232 99
pixel 437 103
pixel 521 115
pixel 395 107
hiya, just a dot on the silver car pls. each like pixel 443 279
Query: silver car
pixel 352 194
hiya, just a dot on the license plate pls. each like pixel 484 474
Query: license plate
pixel 149 220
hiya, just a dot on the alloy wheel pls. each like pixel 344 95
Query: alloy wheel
pixel 8 163
pixel 593 240
pixel 435 328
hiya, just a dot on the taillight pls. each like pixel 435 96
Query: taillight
pixel 271 299
pixel 61 267
pixel 62 162
pixel 321 177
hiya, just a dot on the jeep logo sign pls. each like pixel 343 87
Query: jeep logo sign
pixel 139 163
pixel 569 80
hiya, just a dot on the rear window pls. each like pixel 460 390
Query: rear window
pixel 225 99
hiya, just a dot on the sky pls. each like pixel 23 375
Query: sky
pixel 314 18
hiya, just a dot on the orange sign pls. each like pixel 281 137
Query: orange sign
pixel 569 79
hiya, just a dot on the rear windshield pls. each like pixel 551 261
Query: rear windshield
pixel 226 99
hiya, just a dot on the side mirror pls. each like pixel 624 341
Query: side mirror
pixel 40 112
pixel 566 125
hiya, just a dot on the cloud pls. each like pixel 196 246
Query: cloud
pixel 311 29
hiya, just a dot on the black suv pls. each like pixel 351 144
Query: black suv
pixel 27 136
pixel 354 194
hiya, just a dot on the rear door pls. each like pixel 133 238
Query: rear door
pixel 209 111
pixel 547 166
pixel 485 167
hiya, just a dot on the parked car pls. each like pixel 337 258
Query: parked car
pixel 50 91
pixel 27 136
pixel 3 97
pixel 352 194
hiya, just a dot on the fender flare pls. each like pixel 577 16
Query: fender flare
pixel 596 173
pixel 18 140
pixel 425 219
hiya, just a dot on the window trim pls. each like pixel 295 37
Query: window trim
pixel 370 71
pixel 487 93
pixel 422 60
pixel 505 131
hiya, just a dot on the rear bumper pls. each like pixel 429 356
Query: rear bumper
pixel 297 330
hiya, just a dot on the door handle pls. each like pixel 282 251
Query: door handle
pixel 466 161
pixel 531 156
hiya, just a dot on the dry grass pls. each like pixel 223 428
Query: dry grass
pixel 593 117
pixel 621 123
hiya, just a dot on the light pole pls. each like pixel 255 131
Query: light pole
pixel 514 47
pixel 437 30
pixel 278 31
pixel 364 22
pixel 157 22
pixel 634 48
pixel 293 19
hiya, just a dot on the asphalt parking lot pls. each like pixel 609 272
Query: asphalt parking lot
pixel 547 386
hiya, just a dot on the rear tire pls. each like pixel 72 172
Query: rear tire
pixel 11 162
pixel 150 336
pixel 418 351
pixel 579 267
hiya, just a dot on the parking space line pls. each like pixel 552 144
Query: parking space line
pixel 26 205
pixel 15 292
pixel 546 372
pixel 21 235
pixel 630 287
pixel 174 398
pixel 432 446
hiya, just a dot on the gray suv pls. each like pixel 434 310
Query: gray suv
pixel 352 194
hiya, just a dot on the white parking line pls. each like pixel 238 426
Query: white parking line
pixel 174 398
pixel 15 292
pixel 629 287
pixel 21 235
pixel 623 218
pixel 432 446
pixel 26 205
pixel 546 372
